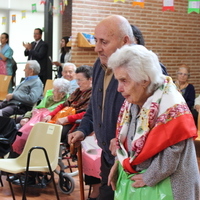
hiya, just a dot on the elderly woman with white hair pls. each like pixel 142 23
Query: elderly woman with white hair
pixel 155 153
pixel 52 99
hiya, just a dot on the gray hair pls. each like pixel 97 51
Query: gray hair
pixel 62 84
pixel 34 65
pixel 70 64
pixel 140 63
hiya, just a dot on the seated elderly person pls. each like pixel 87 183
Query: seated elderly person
pixel 26 94
pixel 69 73
pixel 51 100
pixel 78 100
pixel 183 85
pixel 155 132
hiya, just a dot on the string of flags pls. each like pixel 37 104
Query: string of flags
pixel 52 9
pixel 193 5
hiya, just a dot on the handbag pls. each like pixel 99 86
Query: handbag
pixel 125 190
pixel 66 111
pixel 3 67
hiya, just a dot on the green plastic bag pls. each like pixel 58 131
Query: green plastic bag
pixel 125 190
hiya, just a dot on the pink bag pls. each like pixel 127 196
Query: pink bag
pixel 91 156
pixel 3 67
pixel 38 115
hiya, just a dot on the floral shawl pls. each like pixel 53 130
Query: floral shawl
pixel 164 120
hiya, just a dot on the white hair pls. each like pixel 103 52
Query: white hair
pixel 70 64
pixel 140 64
pixel 34 65
pixel 62 84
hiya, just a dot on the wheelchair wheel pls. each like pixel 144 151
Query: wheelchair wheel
pixel 66 183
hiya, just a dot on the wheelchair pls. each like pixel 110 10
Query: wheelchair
pixel 65 182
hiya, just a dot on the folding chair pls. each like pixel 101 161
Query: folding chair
pixel 4 85
pixel 48 85
pixel 40 154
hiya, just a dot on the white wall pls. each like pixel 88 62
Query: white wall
pixel 23 29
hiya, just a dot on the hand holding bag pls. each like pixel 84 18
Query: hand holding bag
pixel 66 111
pixel 125 190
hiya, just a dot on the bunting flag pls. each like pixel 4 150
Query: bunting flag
pixel 43 2
pixel 168 5
pixel 194 6
pixel 62 7
pixel 4 20
pixel 13 18
pixel 23 14
pixel 65 2
pixel 34 9
pixel 138 3
pixel 119 0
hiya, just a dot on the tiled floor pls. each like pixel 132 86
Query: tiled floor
pixel 41 194
pixel 48 192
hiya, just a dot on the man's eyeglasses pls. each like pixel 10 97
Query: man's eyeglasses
pixel 182 74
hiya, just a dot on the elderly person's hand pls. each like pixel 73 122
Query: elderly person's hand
pixel 113 146
pixel 197 107
pixel 76 138
pixel 9 96
pixel 47 118
pixel 138 181
pixel 112 178
pixel 62 120
pixel 24 121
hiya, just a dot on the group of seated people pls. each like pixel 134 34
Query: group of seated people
pixel 64 104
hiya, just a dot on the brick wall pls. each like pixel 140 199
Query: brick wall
pixel 67 20
pixel 174 36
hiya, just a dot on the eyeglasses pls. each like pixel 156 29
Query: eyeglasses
pixel 81 80
pixel 182 74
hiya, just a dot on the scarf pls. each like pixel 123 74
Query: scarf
pixel 4 49
pixel 164 120
pixel 79 100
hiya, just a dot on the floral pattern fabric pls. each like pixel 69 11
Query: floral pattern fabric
pixel 158 122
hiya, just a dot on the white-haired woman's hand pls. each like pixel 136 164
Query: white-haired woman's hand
pixel 139 182
pixel 62 120
pixel 197 107
pixel 24 121
pixel 47 118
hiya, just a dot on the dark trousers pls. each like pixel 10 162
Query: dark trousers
pixel 106 192
pixel 195 116
pixel 7 109
pixel 65 132
pixel 90 180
